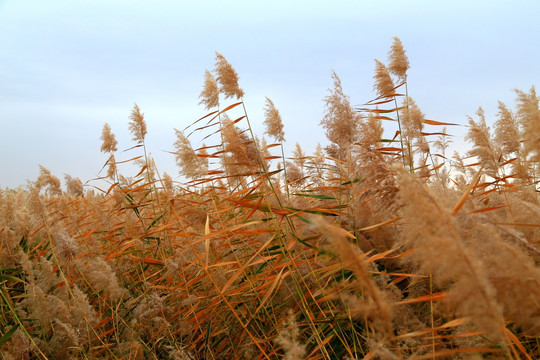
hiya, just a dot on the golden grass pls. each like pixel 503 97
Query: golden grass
pixel 382 248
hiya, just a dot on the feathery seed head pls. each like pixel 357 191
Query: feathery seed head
pixel 242 151
pixel 167 182
pixel 186 157
pixel 46 179
pixel 288 340
pixel 528 113
pixel 483 146
pixel 384 86
pixel 294 175
pixel 340 120
pixel 227 78
pixel 412 124
pixel 371 131
pixel 398 61
pixel 111 169
pixel 210 92
pixel 109 140
pixel 74 185
pixel 274 125
pixel 299 156
pixel 506 130
pixel 137 126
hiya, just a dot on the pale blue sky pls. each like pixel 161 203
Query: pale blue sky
pixel 67 67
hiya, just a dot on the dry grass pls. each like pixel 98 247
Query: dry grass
pixel 382 248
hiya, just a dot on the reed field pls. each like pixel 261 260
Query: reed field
pixel 381 245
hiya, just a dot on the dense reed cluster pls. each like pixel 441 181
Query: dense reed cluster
pixel 376 246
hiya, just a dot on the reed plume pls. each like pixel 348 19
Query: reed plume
pixel 227 78
pixel 340 121
pixel 528 113
pixel 137 125
pixel 299 157
pixel 483 147
pixel 431 228
pixel 510 271
pixel 186 158
pixel 109 144
pixel 288 340
pixel 273 122
pixel 48 181
pixel 384 85
pixel 507 139
pixel 226 265
pixel 412 124
pixel 74 186
pixel 210 93
pixel 398 63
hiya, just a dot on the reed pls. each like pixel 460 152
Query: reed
pixel 377 247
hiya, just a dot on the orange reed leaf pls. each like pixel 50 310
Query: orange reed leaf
pixel 147 260
pixel 515 341
pixel 436 167
pixel 509 161
pixel 282 212
pixel 403 254
pixel 433 122
pixel 103 322
pixel 207 241
pixel 158 229
pixel 142 170
pixel 265 259
pixel 485 192
pixel 389 148
pixel 110 188
pixel 380 256
pixel 103 334
pixel 215 172
pixel 487 209
pixel 133 147
pixel 376 226
pixel 132 159
pixel 424 298
pixel 224 263
pixel 454 323
pixel 205 156
pixel 381 117
pixel 36 231
pixel 320 345
pixel 121 251
pixel 230 107
pixel 466 192
pixel 514 189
